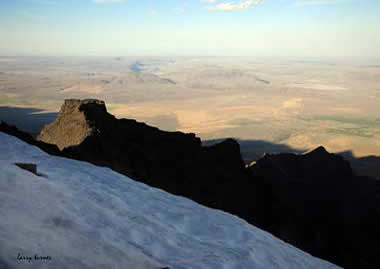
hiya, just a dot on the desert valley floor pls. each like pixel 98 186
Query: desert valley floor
pixel 287 105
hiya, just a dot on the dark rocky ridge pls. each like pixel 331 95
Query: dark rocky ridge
pixel 169 160
pixel 12 130
pixel 313 201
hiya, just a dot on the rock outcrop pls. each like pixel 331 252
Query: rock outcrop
pixel 313 201
pixel 31 167
pixel 173 161
pixel 76 120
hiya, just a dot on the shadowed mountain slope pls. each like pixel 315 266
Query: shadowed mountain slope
pixel 313 201
pixel 173 161
pixel 316 202
pixel 88 217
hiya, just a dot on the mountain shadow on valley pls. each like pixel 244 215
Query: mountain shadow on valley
pixel 27 119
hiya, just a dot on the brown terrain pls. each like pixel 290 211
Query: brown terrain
pixel 292 105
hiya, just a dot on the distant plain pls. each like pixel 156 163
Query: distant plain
pixel 298 104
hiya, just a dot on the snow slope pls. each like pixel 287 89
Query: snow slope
pixel 84 216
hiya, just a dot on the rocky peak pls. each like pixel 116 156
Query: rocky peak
pixel 317 165
pixel 226 152
pixel 76 120
pixel 90 107
pixel 319 151
pixel 71 105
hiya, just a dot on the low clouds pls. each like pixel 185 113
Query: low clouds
pixel 229 6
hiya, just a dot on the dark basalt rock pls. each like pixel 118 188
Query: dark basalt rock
pixel 173 161
pixel 31 167
pixel 316 165
pixel 313 201
pixel 76 120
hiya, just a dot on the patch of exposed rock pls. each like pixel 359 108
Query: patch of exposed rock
pixel 31 167
pixel 74 123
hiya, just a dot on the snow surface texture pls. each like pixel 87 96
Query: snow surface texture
pixel 84 216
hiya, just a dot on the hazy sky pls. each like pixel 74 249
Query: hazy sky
pixel 297 28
